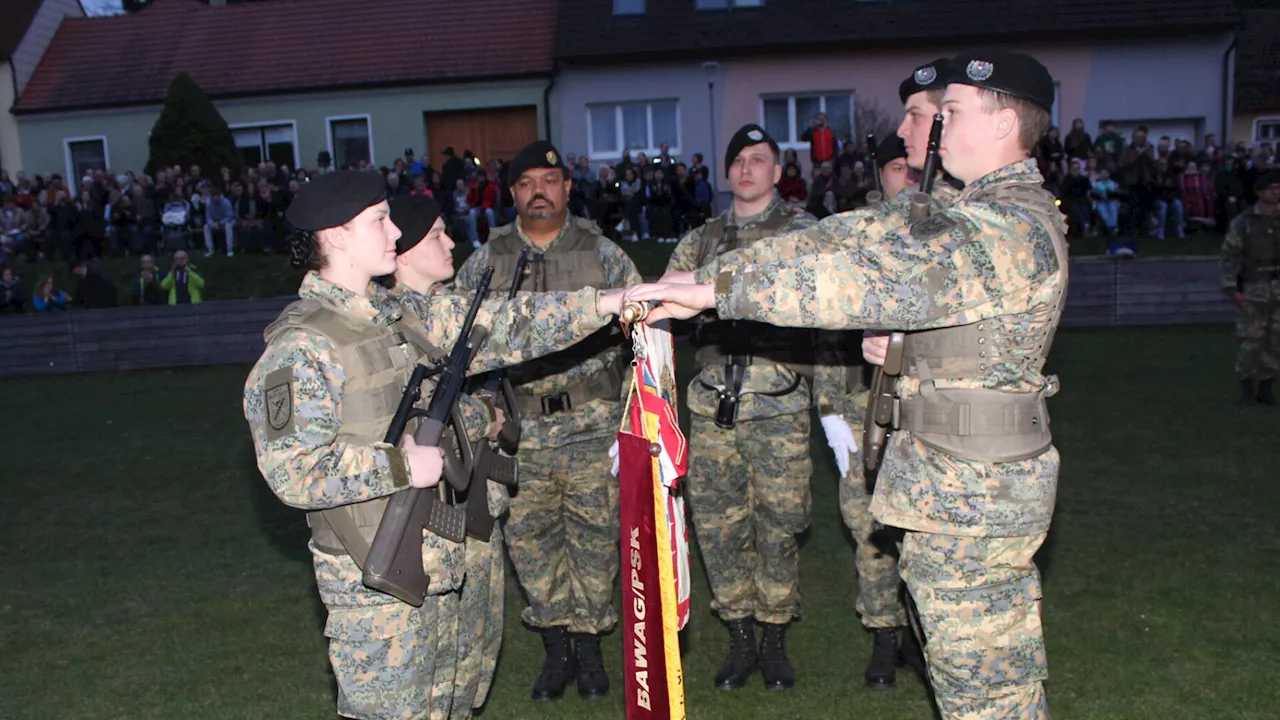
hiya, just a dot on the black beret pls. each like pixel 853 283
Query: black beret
pixel 747 135
pixel 889 149
pixel 414 215
pixel 334 198
pixel 932 76
pixel 537 155
pixel 1005 71
pixel 1270 177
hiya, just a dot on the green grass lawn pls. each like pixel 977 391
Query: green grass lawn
pixel 149 573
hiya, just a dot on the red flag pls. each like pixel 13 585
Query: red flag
pixel 652 457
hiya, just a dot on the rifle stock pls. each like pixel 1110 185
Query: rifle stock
pixel 394 562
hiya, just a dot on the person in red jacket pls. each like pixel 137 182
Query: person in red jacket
pixel 480 197
pixel 822 141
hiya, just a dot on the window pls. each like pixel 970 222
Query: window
pixel 787 117
pixel 1266 129
pixel 275 141
pixel 84 154
pixel 726 4
pixel 628 7
pixel 350 139
pixel 635 126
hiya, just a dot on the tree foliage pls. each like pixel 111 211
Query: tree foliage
pixel 191 131
pixel 870 117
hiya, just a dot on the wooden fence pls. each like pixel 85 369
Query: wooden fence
pixel 1102 293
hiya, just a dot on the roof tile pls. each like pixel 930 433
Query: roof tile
pixel 286 46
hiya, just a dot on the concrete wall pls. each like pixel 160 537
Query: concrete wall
pixel 1151 81
pixel 685 83
pixel 395 117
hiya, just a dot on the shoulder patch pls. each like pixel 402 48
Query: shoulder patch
pixel 933 226
pixel 278 403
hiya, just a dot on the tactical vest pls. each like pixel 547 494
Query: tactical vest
pixel 748 342
pixel 377 360
pixel 981 424
pixel 571 266
pixel 1261 234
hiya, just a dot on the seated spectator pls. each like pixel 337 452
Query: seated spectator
pixel 124 225
pixel 792 186
pixel 1197 195
pixel 146 287
pixel 14 226
pixel 12 297
pixel 183 282
pixel 95 290
pixel 1075 201
pixel 218 213
pixel 1166 198
pixel 1106 203
pixel 49 299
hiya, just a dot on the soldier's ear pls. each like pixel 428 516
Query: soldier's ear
pixel 1006 123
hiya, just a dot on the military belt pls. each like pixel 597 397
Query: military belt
pixel 1012 414
pixel 606 385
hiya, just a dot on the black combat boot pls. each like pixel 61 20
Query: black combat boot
pixel 774 665
pixel 1265 395
pixel 1247 394
pixel 911 655
pixel 882 670
pixel 742 659
pixel 558 669
pixel 593 681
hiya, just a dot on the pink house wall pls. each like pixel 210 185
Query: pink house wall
pixel 875 75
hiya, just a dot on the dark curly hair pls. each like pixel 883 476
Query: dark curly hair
pixel 304 250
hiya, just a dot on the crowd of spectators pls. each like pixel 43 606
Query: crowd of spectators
pixel 1109 185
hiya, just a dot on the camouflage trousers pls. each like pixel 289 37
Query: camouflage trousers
pixel 979 604
pixel 562 535
pixel 391 661
pixel 879 602
pixel 749 495
pixel 480 623
pixel 1258 328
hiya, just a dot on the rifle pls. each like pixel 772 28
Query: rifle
pixel 394 561
pixel 876 196
pixel 882 405
pixel 489 463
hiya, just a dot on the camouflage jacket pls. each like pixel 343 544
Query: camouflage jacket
pixel 598 418
pixel 981 259
pixel 842 231
pixel 760 376
pixel 1252 247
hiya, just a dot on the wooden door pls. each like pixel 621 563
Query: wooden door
pixel 491 133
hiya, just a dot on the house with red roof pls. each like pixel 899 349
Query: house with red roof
pixel 26 29
pixel 295 78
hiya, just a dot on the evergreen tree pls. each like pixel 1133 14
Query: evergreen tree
pixel 191 131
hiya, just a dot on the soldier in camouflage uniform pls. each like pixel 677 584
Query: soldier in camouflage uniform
pixel 749 464
pixel 842 389
pixel 971 471
pixel 1251 276
pixel 562 528
pixel 317 406
pixel 921 95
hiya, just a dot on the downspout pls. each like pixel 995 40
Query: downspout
pixel 546 97
pixel 1228 92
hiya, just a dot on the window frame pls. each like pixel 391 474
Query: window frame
pixel 72 177
pixel 1258 124
pixel 297 155
pixel 620 133
pixel 798 144
pixel 329 120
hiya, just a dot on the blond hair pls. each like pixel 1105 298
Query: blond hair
pixel 1032 119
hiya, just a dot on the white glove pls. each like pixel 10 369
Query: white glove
pixel 613 453
pixel 840 438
